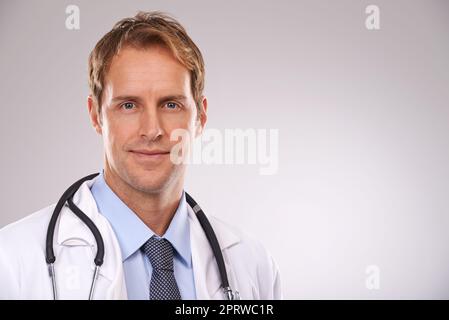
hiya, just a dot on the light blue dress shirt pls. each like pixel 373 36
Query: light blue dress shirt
pixel 132 233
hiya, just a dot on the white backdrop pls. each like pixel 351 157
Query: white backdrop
pixel 359 205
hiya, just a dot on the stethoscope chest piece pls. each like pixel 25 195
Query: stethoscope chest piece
pixel 231 295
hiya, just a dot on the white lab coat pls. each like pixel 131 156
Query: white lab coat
pixel 24 273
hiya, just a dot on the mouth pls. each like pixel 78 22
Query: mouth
pixel 149 154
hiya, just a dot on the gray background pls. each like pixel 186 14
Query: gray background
pixel 362 116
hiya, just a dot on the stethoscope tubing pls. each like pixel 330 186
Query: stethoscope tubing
pixel 67 197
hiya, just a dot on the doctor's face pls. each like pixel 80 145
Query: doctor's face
pixel 147 95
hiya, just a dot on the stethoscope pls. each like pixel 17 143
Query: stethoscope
pixel 98 260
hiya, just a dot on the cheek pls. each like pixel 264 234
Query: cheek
pixel 184 121
pixel 117 132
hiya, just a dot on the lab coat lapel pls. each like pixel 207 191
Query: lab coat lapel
pixel 205 269
pixel 72 231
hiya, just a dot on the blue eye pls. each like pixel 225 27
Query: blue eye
pixel 171 105
pixel 128 105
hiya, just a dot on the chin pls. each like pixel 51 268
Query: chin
pixel 149 181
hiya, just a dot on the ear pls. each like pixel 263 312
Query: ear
pixel 201 122
pixel 95 118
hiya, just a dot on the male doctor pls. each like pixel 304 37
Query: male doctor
pixel 146 80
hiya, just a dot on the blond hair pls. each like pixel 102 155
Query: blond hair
pixel 141 31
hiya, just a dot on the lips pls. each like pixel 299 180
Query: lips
pixel 150 152
pixel 149 156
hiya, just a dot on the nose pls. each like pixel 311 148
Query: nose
pixel 150 124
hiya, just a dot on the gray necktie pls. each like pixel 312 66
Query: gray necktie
pixel 163 283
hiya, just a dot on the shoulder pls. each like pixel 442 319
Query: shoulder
pixel 25 238
pixel 235 235
pixel 31 228
pixel 248 254
pixel 22 245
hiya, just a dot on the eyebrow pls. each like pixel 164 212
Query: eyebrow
pixel 179 97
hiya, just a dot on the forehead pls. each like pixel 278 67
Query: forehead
pixel 149 70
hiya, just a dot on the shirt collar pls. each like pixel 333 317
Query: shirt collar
pixel 131 232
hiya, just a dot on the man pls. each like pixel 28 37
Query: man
pixel 146 81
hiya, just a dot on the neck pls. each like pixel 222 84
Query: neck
pixel 156 210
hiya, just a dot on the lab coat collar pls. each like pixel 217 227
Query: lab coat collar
pixel 73 232
pixel 206 274
pixel 131 231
